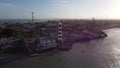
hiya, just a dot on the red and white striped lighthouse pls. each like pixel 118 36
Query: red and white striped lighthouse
pixel 60 32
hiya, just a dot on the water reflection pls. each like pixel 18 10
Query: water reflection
pixel 102 53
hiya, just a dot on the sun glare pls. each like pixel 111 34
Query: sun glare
pixel 115 10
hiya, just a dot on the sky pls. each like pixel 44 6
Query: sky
pixel 60 9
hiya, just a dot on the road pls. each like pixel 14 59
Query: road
pixel 102 53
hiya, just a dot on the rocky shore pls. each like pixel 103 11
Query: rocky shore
pixel 84 36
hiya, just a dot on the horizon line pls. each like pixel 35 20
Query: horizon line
pixel 64 19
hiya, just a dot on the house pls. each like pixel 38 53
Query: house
pixel 39 44
pixel 6 43
pixel 46 43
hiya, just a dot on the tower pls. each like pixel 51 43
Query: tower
pixel 32 17
pixel 60 34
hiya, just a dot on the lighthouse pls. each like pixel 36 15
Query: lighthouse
pixel 60 34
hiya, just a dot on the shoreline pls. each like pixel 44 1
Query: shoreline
pixel 83 36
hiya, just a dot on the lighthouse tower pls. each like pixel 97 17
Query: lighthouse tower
pixel 60 34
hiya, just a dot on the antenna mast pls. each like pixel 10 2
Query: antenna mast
pixel 32 17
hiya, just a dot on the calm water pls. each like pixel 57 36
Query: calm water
pixel 103 53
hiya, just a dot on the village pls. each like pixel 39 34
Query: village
pixel 35 37
pixel 39 36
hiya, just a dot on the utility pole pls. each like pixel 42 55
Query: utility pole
pixel 32 17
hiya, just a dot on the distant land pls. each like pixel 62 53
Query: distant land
pixel 44 20
pixel 22 20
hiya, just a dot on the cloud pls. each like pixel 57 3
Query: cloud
pixel 61 2
pixel 7 5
